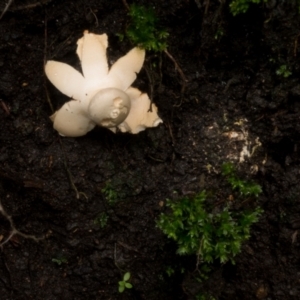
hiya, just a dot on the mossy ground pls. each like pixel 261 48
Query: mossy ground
pixel 233 100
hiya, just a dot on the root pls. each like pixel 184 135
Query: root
pixel 14 231
pixel 6 8
pixel 22 7
pixel 45 60
pixel 70 177
pixel 4 106
pixel 126 4
pixel 151 88
pixel 177 67
pixel 30 5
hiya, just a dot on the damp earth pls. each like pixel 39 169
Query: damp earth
pixel 78 213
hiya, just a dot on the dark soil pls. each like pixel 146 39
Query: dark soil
pixel 233 99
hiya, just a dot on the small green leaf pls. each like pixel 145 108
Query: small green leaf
pixel 128 285
pixel 126 276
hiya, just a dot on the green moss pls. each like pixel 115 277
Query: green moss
pixel 143 30
pixel 209 233
pixel 241 6
pixel 245 188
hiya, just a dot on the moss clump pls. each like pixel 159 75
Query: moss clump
pixel 241 6
pixel 143 30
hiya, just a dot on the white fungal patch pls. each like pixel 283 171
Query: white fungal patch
pixel 105 96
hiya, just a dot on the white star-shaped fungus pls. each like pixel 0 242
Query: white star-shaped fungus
pixel 100 96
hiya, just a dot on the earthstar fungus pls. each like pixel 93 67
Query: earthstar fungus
pixel 100 96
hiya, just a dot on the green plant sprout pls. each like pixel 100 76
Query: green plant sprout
pixel 283 71
pixel 143 29
pixel 243 187
pixel 101 220
pixel 210 235
pixel 60 260
pixel 205 297
pixel 170 271
pixel 241 6
pixel 109 193
pixel 124 284
pixel 219 33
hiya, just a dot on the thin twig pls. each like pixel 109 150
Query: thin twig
pixel 8 272
pixel 97 23
pixel 128 247
pixel 171 133
pixel 69 173
pixel 48 96
pixel 45 60
pixel 126 4
pixel 31 5
pixel 115 259
pixel 184 80
pixel 4 106
pixel 14 230
pixel 151 87
pixel 206 7
pixel 6 8
pixel 160 68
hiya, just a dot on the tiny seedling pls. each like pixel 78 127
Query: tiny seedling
pixel 170 271
pixel 219 33
pixel 101 220
pixel 124 284
pixel 204 297
pixel 109 193
pixel 283 71
pixel 60 260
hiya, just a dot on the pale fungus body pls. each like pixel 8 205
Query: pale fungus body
pixel 114 105
pixel 100 96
